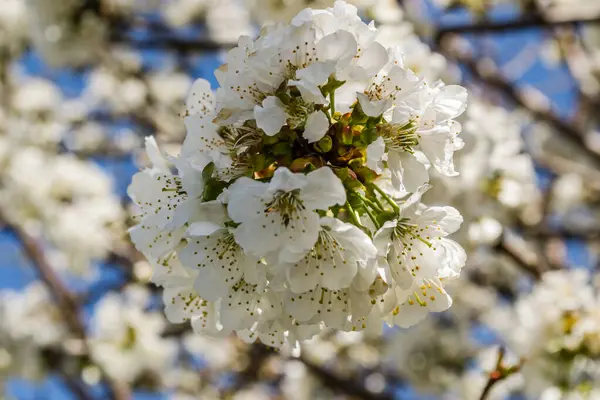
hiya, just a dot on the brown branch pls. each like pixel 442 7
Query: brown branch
pixel 534 21
pixel 76 387
pixel 68 306
pixel 331 380
pixel 171 42
pixel 529 266
pixel 349 387
pixel 499 373
pixel 58 290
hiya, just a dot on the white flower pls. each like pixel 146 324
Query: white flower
pixel 408 171
pixel 347 40
pixel 333 262
pixel 375 155
pixel 335 308
pixel 157 193
pixel 416 301
pixel 126 341
pixel 415 246
pixel 432 112
pixel 389 86
pixel 248 304
pixel 281 216
pixel 219 260
pixel 31 314
pixel 310 78
pixel 204 142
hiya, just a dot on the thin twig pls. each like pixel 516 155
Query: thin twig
pixel 499 373
pixel 503 247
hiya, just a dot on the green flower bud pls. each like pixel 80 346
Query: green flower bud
pixel 324 145
pixel 302 165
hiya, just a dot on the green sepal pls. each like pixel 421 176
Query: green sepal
pixel 302 165
pixel 358 116
pixel 208 171
pixel 231 224
pixel 366 175
pixel 212 189
pixel 369 135
pixel 386 216
pixel 355 201
pixel 331 85
pixel 284 97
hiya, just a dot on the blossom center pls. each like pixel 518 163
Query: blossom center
pixel 287 204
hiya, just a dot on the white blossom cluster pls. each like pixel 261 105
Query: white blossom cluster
pixel 125 340
pixel 283 214
pixel 555 329
pixel 68 202
pixel 31 321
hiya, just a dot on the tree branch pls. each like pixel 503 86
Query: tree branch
pixel 534 21
pixel 68 306
pixel 499 373
pixel 350 387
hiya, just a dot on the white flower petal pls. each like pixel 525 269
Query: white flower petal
pixel 201 99
pixel 323 190
pixel 340 46
pixel 317 125
pixel 245 199
pixel 271 116
pixel 438 145
pixel 373 108
pixel 408 174
pixel 284 180
pixel 375 153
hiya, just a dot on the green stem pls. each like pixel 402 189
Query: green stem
pixel 332 102
pixel 379 203
pixel 386 197
pixel 369 202
pixel 353 215
pixel 373 219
